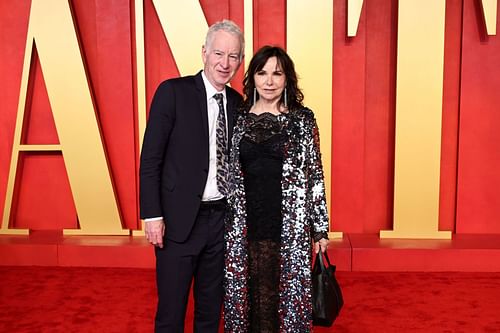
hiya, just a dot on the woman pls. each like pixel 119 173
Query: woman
pixel 277 200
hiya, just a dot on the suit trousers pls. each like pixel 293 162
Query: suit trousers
pixel 200 259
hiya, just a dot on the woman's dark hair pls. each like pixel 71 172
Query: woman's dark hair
pixel 293 94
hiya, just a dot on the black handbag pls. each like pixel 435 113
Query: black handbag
pixel 327 297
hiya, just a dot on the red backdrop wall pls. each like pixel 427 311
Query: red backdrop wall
pixel 363 112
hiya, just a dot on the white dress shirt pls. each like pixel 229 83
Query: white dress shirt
pixel 211 192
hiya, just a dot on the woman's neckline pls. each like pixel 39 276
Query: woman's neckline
pixel 267 109
pixel 265 113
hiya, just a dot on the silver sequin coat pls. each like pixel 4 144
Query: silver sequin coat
pixel 304 211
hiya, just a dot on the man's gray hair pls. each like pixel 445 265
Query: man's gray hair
pixel 227 26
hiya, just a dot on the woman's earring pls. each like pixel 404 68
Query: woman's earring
pixel 285 99
pixel 254 95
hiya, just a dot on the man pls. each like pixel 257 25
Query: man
pixel 182 184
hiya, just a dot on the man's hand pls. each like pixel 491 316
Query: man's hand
pixel 155 230
pixel 322 243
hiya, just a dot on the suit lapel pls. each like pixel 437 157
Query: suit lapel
pixel 202 101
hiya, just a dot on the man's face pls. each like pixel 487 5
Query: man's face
pixel 221 58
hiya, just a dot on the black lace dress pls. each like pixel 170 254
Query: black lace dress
pixel 261 156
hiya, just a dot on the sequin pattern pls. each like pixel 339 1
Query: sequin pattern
pixel 303 210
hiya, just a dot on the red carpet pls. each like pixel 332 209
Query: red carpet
pixel 57 299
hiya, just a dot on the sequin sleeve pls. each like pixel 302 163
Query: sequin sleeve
pixel 317 207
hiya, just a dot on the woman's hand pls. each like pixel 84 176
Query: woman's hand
pixel 322 243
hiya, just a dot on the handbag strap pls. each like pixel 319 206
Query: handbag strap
pixel 327 259
pixel 321 263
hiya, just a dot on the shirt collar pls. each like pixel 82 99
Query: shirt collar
pixel 209 88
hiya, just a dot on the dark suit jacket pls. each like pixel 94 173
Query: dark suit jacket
pixel 174 157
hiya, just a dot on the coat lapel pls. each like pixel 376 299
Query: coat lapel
pixel 231 109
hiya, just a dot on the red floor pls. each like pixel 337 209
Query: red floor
pixel 354 252
pixel 123 300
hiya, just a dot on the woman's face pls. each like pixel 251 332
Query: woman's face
pixel 270 81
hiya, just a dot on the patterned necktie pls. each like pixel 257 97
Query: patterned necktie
pixel 221 139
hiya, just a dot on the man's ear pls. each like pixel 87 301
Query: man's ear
pixel 203 53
